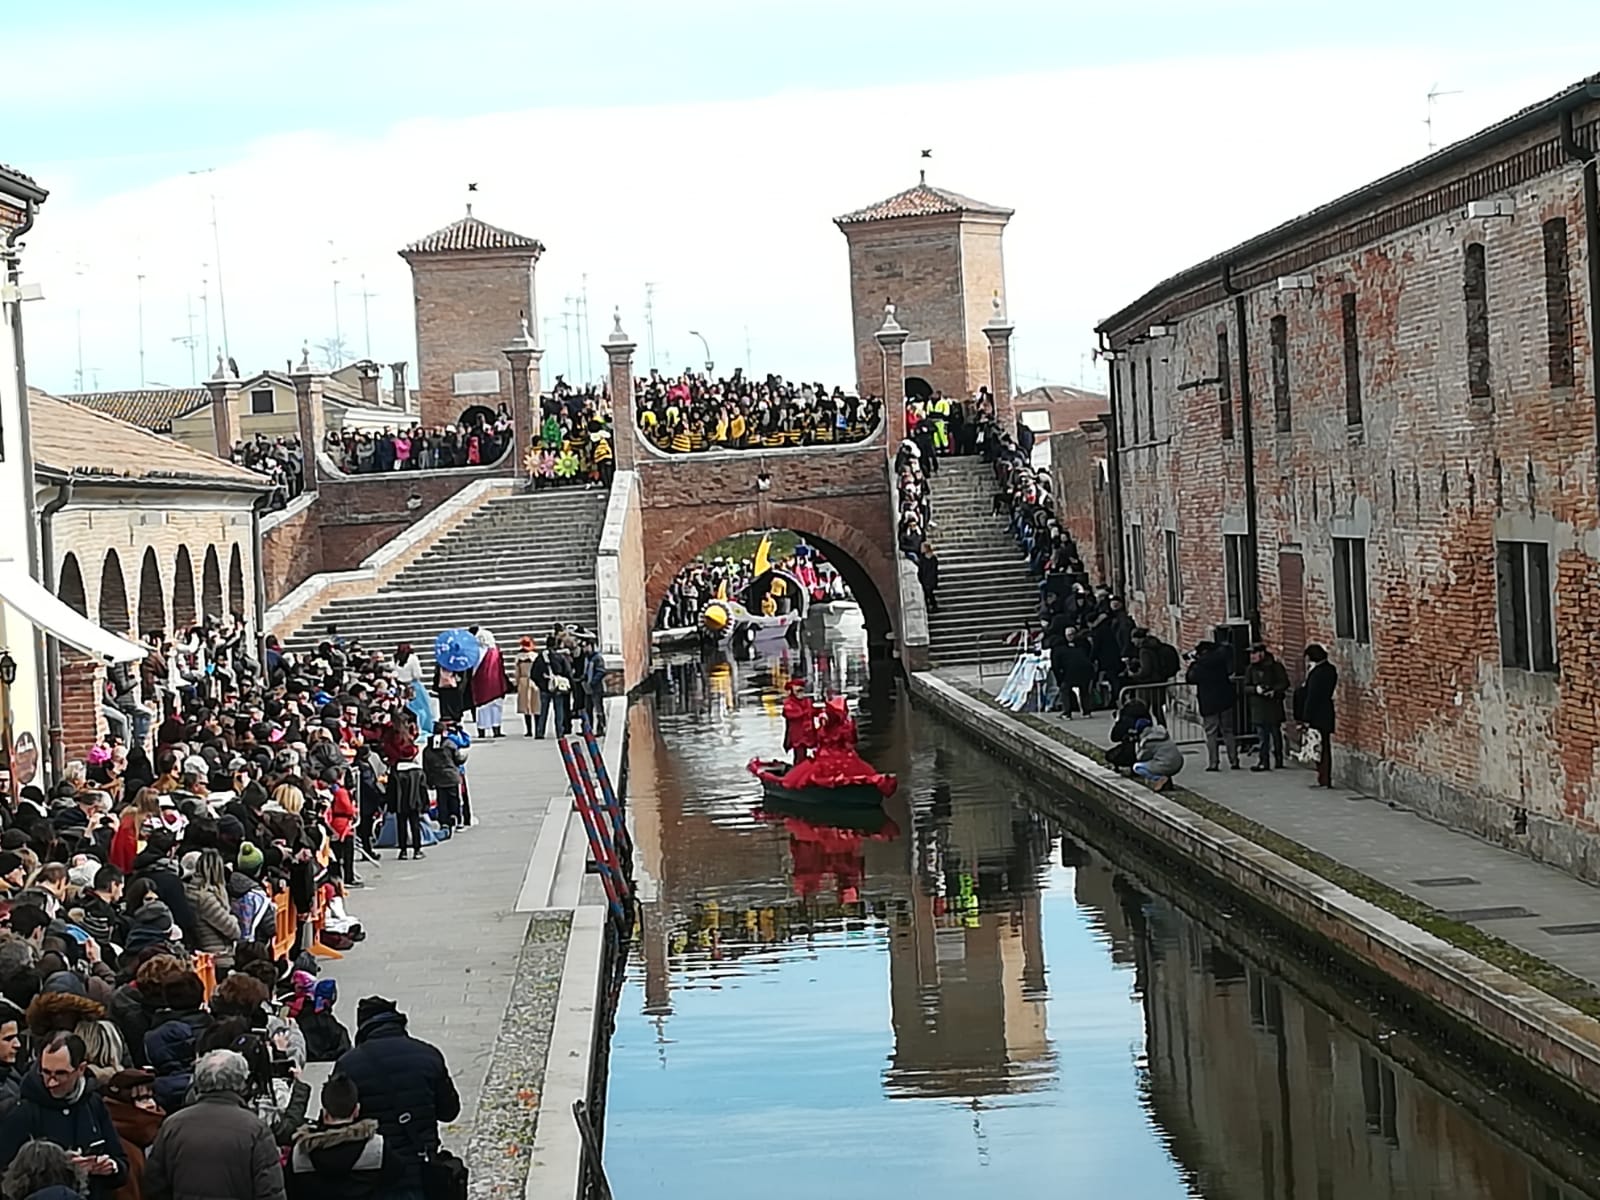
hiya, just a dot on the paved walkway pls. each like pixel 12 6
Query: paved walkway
pixel 443 937
pixel 1537 908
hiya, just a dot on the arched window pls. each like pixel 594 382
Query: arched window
pixel 211 585
pixel 69 586
pixel 236 581
pixel 113 595
pixel 152 606
pixel 183 590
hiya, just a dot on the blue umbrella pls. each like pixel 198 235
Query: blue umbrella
pixel 456 650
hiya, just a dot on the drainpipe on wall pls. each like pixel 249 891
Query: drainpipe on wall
pixel 1576 152
pixel 260 581
pixel 47 576
pixel 1252 598
pixel 1119 574
pixel 24 440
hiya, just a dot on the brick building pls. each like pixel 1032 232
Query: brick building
pixel 1375 427
pixel 473 285
pixel 937 256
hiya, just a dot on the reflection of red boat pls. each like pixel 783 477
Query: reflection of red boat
pixel 819 850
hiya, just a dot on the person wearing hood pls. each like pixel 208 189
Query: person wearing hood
pixel 61 1104
pixel 489 685
pixel 1159 758
pixel 216 1146
pixel 155 863
pixel 403 1084
pixel 151 925
pixel 342 1156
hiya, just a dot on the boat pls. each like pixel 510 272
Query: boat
pixel 850 795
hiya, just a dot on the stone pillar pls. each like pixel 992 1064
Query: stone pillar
pixel 224 389
pixel 524 356
pixel 313 418
pixel 998 330
pixel 619 349
pixel 368 373
pixel 892 341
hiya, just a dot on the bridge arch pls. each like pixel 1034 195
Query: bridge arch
pixel 867 569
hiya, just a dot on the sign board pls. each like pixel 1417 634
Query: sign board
pixel 477 383
pixel 919 354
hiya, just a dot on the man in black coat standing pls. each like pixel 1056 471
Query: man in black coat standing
pixel 1211 672
pixel 403 1084
pixel 1314 708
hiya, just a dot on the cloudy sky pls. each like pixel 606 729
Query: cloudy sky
pixel 700 145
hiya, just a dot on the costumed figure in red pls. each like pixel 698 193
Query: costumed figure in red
pixel 836 763
pixel 799 721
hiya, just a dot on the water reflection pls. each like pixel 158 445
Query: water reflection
pixel 960 993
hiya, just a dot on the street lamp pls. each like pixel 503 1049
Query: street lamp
pixel 710 366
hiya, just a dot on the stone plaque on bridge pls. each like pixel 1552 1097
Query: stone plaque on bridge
pixel 919 354
pixel 477 383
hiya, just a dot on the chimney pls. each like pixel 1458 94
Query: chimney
pixel 369 372
pixel 402 397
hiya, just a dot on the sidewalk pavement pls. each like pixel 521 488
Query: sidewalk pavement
pixel 1539 909
pixel 443 935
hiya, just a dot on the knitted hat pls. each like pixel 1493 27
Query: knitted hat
pixel 369 1007
pixel 251 859
pixel 10 860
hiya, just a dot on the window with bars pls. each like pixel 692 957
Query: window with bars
pixel 1225 384
pixel 1236 568
pixel 1350 619
pixel 1136 555
pixel 1133 397
pixel 1558 302
pixel 1527 606
pixel 1475 289
pixel 1352 360
pixel 1174 580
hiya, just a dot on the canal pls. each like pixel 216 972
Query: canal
pixel 978 991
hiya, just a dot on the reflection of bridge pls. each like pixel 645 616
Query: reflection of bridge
pixel 937 253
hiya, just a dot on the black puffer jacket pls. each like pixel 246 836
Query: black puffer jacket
pixel 404 1085
pixel 83 1125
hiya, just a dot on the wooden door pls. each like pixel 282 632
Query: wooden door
pixel 1290 644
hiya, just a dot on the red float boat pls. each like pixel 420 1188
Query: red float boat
pixel 835 774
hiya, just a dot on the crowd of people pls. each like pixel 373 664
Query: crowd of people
pixel 687 413
pixel 478 439
pixel 573 444
pixel 279 460
pixel 158 907
pixel 733 578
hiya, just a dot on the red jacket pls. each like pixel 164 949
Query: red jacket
pixel 341 814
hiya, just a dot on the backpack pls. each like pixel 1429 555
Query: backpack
pixel 1167 660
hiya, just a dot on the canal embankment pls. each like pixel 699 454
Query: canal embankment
pixel 1487 989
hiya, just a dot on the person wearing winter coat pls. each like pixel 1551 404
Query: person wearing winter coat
pixel 131 1100
pixel 1159 758
pixel 442 760
pixel 216 928
pixel 12 1025
pixel 1314 708
pixel 404 1084
pixel 1211 672
pixel 155 862
pixel 1266 684
pixel 60 1103
pixel 342 1156
pixel 216 1146
pixel 532 675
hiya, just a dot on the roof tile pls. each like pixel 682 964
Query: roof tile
pixel 153 408
pixel 71 437
pixel 922 200
pixel 470 234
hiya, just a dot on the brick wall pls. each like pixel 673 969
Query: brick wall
pixel 1430 478
pixel 1077 460
pixel 638 616
pixel 467 311
pixel 291 552
pixel 83 683
pixel 837 498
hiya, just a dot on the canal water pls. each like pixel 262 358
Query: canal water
pixel 964 995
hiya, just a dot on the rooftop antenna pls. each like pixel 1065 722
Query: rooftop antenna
pixel 583 327
pixel 338 330
pixel 205 306
pixel 1433 95
pixel 216 245
pixel 366 320
pixel 139 280
pixel 650 321
pixel 77 269
pixel 189 339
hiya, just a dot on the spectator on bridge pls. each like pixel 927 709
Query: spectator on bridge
pixel 1266 685
pixel 692 412
pixel 404 1085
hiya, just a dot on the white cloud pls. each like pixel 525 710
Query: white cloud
pixel 1119 176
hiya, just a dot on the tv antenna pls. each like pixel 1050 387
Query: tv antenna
pixel 650 321
pixel 1433 96
pixel 189 339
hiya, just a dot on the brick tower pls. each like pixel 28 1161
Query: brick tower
pixel 936 256
pixel 472 284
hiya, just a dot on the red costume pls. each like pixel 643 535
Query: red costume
pixel 836 763
pixel 799 722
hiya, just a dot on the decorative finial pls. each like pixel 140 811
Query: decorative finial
pixel 471 187
pixel 222 368
pixel 889 323
pixel 997 318
pixel 617 338
pixel 305 359
pixel 922 177
pixel 528 337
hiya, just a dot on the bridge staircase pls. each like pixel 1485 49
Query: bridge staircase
pixel 985 592
pixel 516 566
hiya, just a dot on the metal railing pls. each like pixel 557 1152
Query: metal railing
pixel 1173 704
